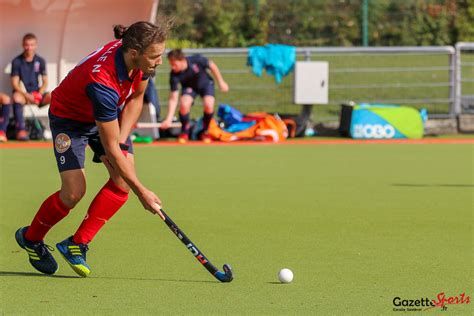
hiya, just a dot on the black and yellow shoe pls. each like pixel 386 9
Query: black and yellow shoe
pixel 75 255
pixel 39 253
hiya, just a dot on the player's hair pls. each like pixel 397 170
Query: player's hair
pixel 176 54
pixel 29 36
pixel 142 34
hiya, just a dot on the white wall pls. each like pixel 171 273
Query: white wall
pixel 67 30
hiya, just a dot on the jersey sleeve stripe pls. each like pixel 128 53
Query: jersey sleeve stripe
pixel 104 101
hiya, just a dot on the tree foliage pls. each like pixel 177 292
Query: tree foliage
pixel 464 25
pixel 228 23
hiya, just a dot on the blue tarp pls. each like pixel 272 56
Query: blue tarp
pixel 278 60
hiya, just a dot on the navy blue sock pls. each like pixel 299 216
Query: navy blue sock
pixel 5 118
pixel 206 120
pixel 18 112
pixel 184 122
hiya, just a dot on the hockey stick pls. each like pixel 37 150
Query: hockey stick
pixel 225 276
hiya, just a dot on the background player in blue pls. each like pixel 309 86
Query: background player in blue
pixel 191 73
pixel 26 70
pixel 97 104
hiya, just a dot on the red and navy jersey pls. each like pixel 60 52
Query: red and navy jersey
pixel 195 76
pixel 97 88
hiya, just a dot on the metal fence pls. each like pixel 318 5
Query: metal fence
pixel 423 77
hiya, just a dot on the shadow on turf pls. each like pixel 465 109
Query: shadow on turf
pixel 275 283
pixel 35 274
pixel 433 185
pixel 153 279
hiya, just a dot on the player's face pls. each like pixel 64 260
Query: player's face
pixel 29 46
pixel 177 65
pixel 151 58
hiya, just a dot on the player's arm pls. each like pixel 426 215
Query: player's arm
pixel 132 110
pixel 15 77
pixel 16 86
pixel 16 81
pixel 216 73
pixel 110 138
pixel 44 86
pixel 104 100
pixel 44 77
pixel 172 105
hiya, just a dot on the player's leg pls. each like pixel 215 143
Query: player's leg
pixel 19 101
pixel 185 103
pixel 112 196
pixel 208 99
pixel 58 204
pixel 106 203
pixel 69 149
pixel 5 103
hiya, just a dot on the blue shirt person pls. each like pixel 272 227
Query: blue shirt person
pixel 27 68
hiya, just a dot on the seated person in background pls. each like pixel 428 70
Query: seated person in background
pixel 26 69
pixel 191 73
pixel 4 116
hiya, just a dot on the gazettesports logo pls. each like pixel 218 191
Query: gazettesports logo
pixel 442 301
pixel 376 131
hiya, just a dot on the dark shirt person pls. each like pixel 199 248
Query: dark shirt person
pixel 191 73
pixel 27 68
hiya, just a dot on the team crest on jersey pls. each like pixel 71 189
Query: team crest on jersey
pixel 62 143
pixel 195 68
pixel 37 66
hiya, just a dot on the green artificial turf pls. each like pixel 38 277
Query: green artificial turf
pixel 358 224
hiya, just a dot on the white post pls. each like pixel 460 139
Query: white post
pixel 456 110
